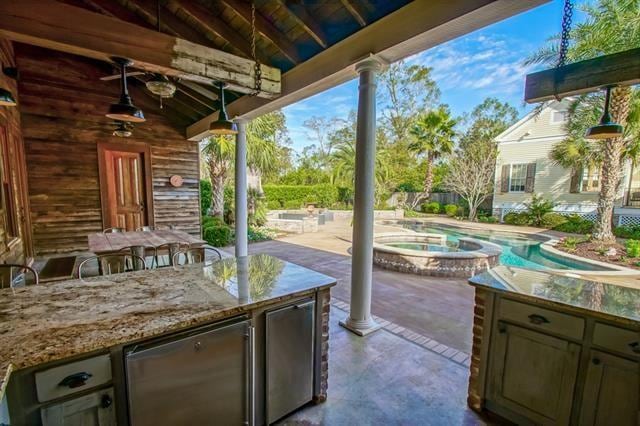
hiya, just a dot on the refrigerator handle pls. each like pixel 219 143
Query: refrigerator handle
pixel 252 375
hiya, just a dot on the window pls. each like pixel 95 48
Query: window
pixel 558 117
pixel 517 177
pixel 590 180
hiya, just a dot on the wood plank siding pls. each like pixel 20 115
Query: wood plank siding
pixel 14 224
pixel 63 103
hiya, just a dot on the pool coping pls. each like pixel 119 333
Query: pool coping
pixel 547 244
pixel 480 252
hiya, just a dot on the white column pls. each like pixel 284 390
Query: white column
pixel 360 321
pixel 241 188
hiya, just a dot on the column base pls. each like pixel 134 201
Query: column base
pixel 361 328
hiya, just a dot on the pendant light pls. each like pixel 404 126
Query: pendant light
pixel 124 110
pixel 222 126
pixel 160 85
pixel 607 129
pixel 6 97
pixel 123 129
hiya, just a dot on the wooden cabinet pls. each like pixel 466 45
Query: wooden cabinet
pixel 611 391
pixel 534 374
pixel 95 409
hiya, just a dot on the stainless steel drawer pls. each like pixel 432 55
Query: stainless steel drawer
pixel 73 377
pixel 617 339
pixel 542 319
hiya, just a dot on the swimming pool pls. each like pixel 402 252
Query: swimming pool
pixel 517 249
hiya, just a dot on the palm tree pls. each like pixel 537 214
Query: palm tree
pixel 433 135
pixel 262 152
pixel 610 26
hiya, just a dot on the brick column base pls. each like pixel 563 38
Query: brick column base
pixel 474 398
pixel 325 299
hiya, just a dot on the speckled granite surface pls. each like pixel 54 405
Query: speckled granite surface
pixel 606 300
pixel 40 324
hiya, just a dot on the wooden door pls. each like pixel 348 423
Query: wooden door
pixel 611 391
pixel 534 374
pixel 125 186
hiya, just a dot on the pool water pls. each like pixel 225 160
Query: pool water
pixel 424 247
pixel 517 249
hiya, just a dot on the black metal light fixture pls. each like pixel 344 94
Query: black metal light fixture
pixel 124 110
pixel 6 97
pixel 123 129
pixel 222 126
pixel 607 128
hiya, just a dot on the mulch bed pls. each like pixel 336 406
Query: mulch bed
pixel 598 251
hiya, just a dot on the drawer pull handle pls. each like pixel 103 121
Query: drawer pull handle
pixel 75 380
pixel 538 319
pixel 635 347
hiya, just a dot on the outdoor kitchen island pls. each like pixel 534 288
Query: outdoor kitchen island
pixel 241 340
pixel 553 349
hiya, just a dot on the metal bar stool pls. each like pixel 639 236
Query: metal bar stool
pixel 169 250
pixel 145 228
pixel 195 255
pixel 110 264
pixel 15 275
pixel 114 230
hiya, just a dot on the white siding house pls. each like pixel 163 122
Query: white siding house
pixel 523 168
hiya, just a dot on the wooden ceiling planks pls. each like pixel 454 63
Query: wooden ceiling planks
pixel 301 15
pixel 356 11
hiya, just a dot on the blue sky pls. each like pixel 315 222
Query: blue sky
pixel 484 63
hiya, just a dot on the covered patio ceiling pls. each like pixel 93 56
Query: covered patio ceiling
pixel 314 44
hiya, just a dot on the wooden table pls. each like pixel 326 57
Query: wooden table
pixel 100 243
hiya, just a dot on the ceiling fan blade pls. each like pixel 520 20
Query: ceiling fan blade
pixel 117 76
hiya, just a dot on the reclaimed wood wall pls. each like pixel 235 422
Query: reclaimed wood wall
pixel 63 103
pixel 13 248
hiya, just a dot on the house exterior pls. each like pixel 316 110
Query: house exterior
pixel 524 168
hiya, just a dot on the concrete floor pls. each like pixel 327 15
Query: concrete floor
pixel 438 308
pixel 383 379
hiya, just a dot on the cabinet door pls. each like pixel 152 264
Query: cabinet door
pixel 290 336
pixel 533 374
pixel 611 391
pixel 95 409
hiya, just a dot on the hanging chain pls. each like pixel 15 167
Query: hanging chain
pixel 567 16
pixel 257 75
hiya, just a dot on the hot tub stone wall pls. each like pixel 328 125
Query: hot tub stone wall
pixel 435 266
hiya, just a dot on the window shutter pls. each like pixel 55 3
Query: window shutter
pixel 531 177
pixel 504 178
pixel 574 186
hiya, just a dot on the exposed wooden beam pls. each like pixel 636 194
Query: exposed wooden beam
pixel 184 107
pixel 355 11
pixel 300 14
pixel 206 103
pixel 215 25
pixel 200 90
pixel 147 10
pixel 419 25
pixel 622 69
pixel 116 10
pixel 266 29
pixel 78 31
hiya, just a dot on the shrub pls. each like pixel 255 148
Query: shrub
pixel 487 219
pixel 575 225
pixel 570 243
pixel 432 207
pixel 205 196
pixel 324 195
pixel 273 205
pixel 451 210
pixel 260 233
pixel 633 248
pixel 537 208
pixel 461 211
pixel 551 220
pixel 216 233
pixel 517 218
pixel 293 204
pixel 628 231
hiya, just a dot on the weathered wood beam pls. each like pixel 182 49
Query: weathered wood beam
pixel 618 69
pixel 78 31
pixel 300 14
pixel 355 11
pixel 419 25
pixel 147 10
pixel 215 25
pixel 266 29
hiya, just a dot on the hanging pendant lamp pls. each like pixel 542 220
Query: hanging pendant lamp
pixel 124 110
pixel 222 126
pixel 607 129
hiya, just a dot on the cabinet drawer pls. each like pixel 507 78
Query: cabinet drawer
pixel 72 377
pixel 542 319
pixel 617 339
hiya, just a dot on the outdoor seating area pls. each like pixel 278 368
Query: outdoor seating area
pixel 418 254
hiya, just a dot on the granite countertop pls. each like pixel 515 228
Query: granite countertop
pixel 611 301
pixel 40 324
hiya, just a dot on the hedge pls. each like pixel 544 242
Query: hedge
pixel 205 196
pixel 296 196
pixel 215 232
